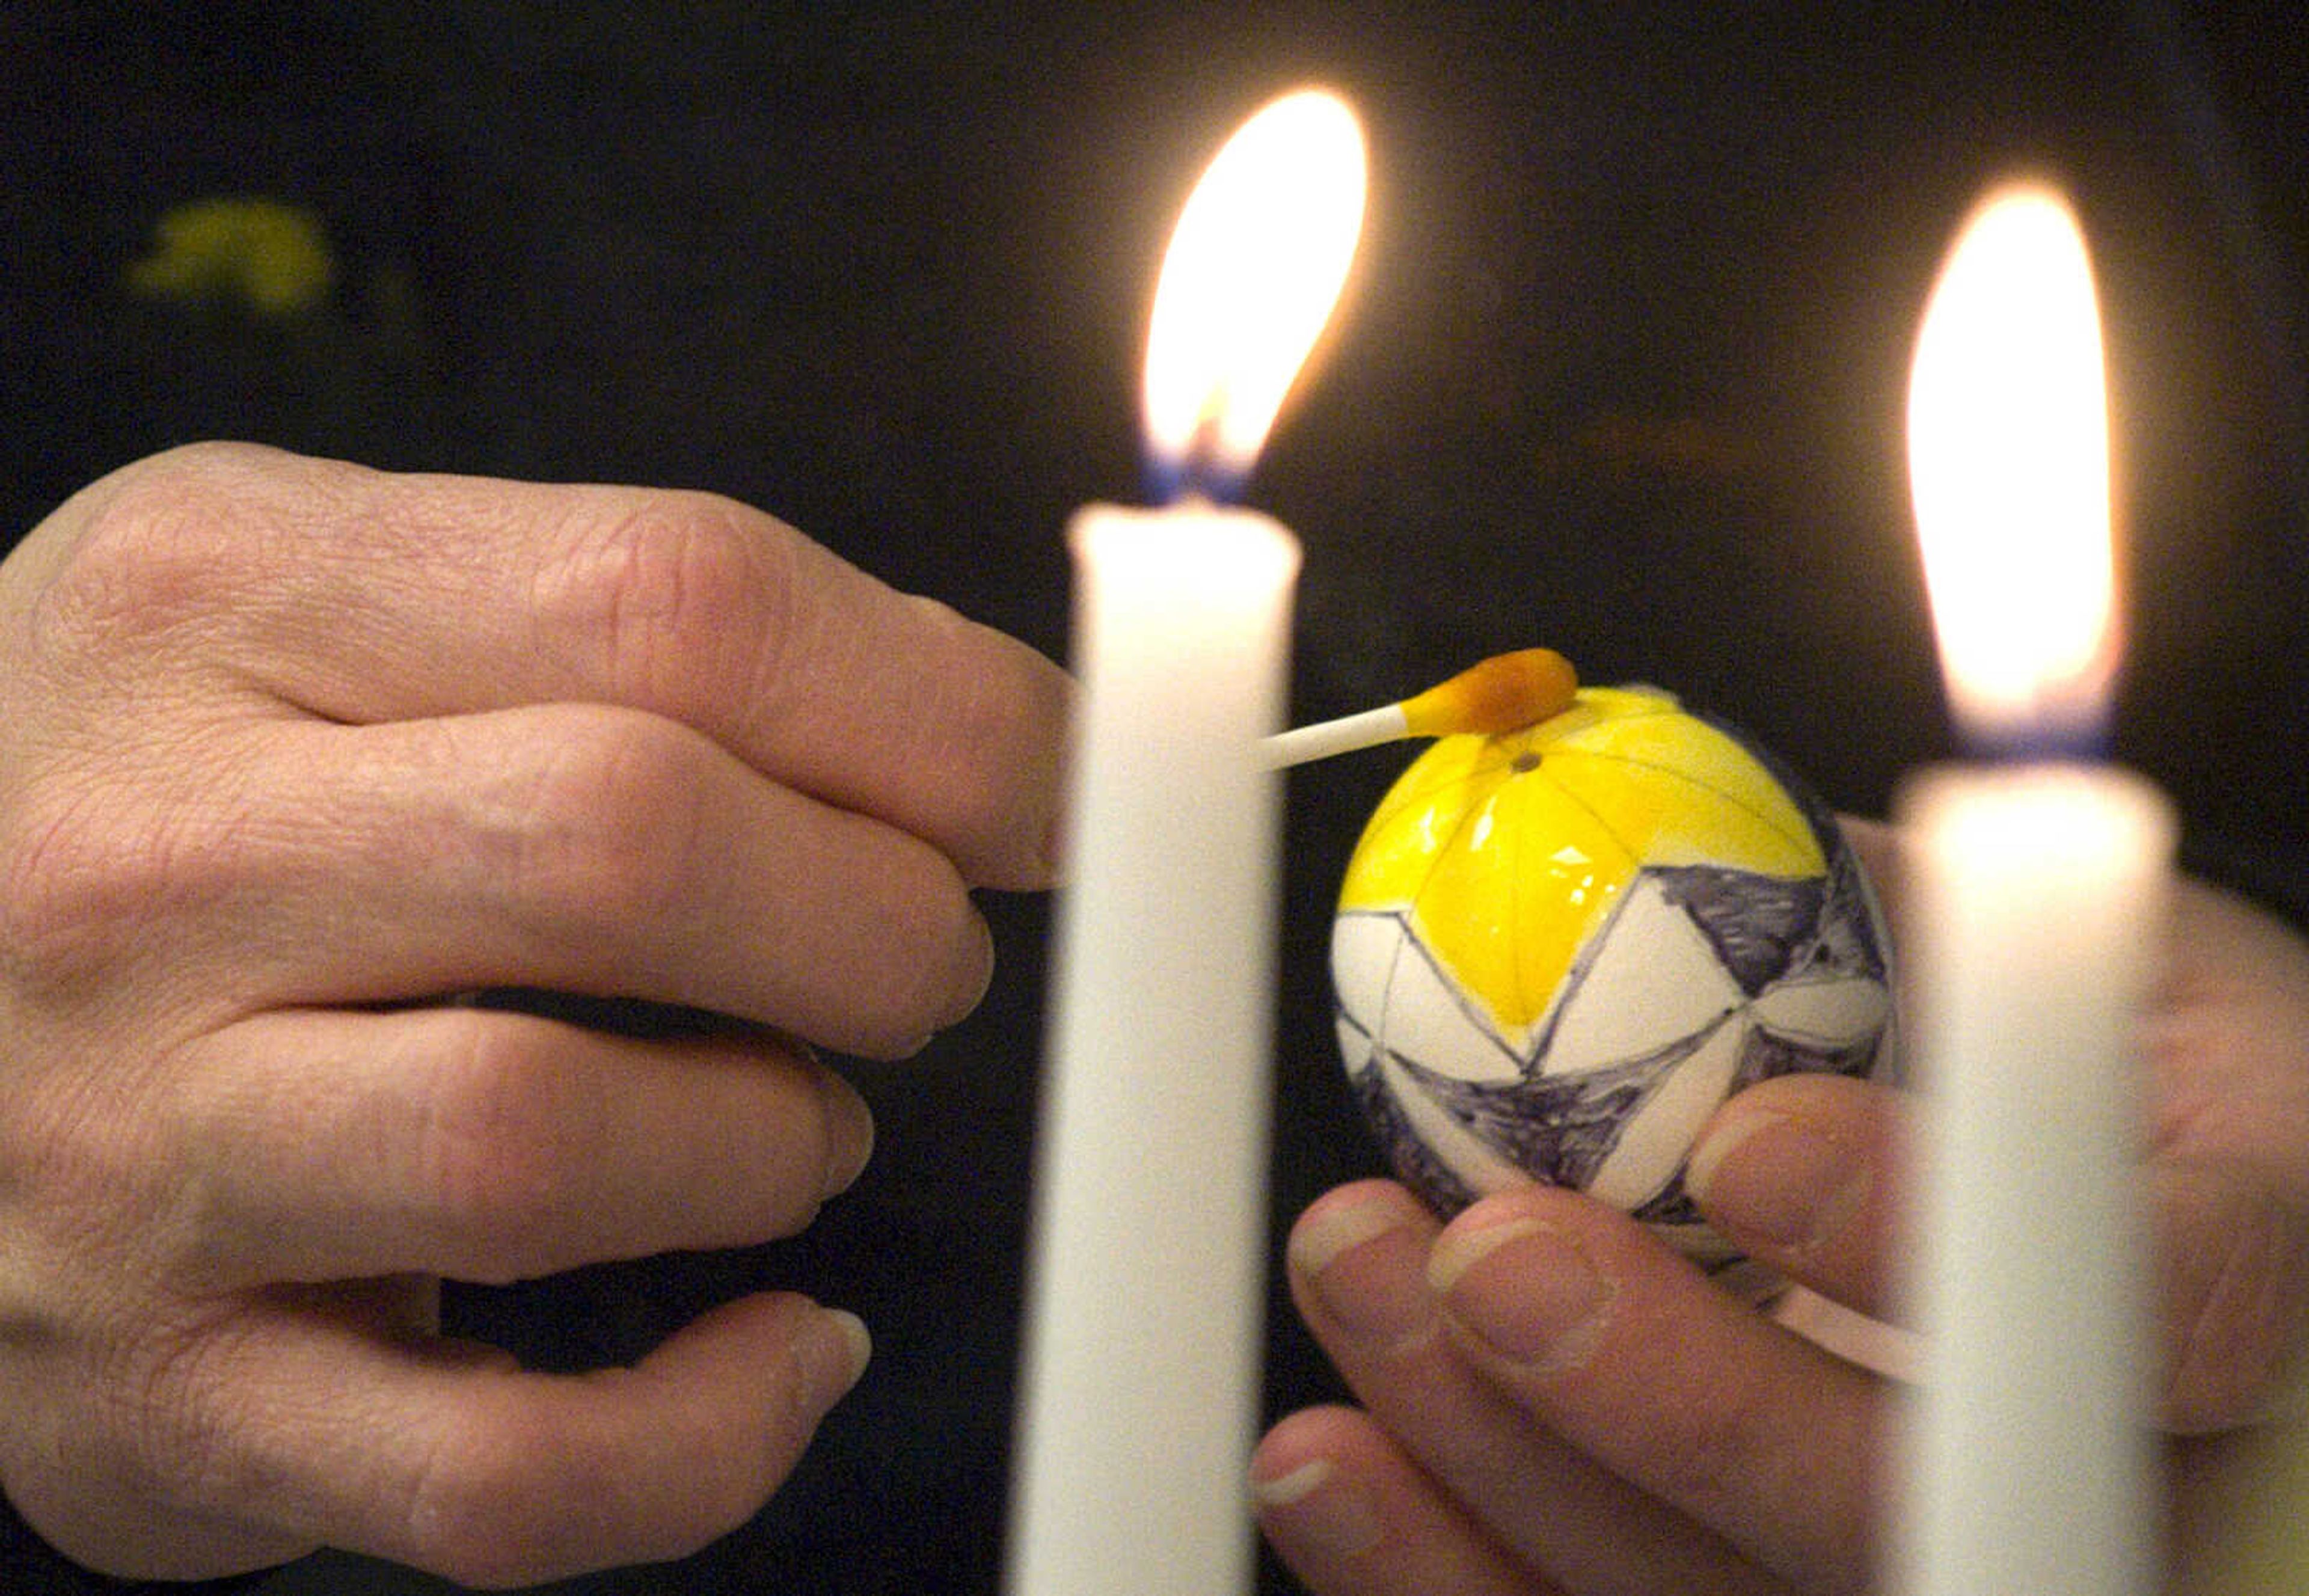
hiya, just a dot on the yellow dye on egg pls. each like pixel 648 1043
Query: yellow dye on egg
pixel 1508 851
pixel 272 257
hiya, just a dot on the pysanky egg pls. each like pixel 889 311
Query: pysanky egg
pixel 1559 950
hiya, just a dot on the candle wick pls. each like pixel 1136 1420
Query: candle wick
pixel 1200 471
pixel 2056 734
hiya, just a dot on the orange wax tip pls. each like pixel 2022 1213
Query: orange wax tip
pixel 1504 693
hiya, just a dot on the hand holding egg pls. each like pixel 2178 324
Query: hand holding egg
pixel 1559 949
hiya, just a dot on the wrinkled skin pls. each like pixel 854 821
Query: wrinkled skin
pixel 292 754
pixel 1553 1404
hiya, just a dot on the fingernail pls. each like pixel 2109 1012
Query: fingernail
pixel 1315 1508
pixel 1788 1185
pixel 976 976
pixel 1523 1290
pixel 839 1354
pixel 848 1135
pixel 1365 1261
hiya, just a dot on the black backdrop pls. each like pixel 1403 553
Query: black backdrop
pixel 1620 371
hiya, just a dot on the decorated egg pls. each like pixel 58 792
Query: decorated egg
pixel 1558 950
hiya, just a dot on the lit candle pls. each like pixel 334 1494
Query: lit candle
pixel 2035 890
pixel 1144 1297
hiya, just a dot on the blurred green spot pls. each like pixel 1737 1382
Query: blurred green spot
pixel 273 258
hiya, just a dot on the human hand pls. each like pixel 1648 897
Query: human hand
pixel 292 754
pixel 1553 1402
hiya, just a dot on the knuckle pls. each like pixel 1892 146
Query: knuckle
pixel 99 1187
pixel 672 595
pixel 60 896
pixel 169 1411
pixel 978 797
pixel 156 551
pixel 171 1420
pixel 92 1168
pixel 992 728
pixel 995 715
pixel 83 866
pixel 499 1143
pixel 933 946
pixel 601 827
pixel 931 914
pixel 91 839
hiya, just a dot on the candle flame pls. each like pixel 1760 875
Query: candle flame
pixel 2008 467
pixel 1254 268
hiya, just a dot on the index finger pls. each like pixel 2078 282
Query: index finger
pixel 360 596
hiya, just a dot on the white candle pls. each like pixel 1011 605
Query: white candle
pixel 1151 1211
pixel 1145 1300
pixel 2035 896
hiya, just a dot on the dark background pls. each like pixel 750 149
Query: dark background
pixel 1620 371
